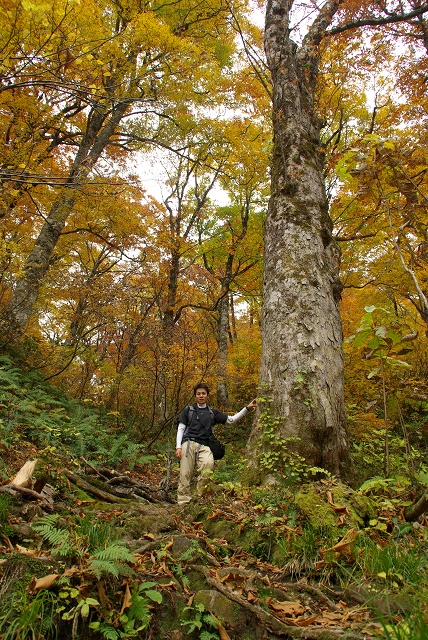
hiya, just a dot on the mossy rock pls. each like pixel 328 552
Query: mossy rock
pixel 364 506
pixel 19 569
pixel 169 616
pixel 313 503
pixel 316 510
pixel 238 622
pixel 227 611
pixel 196 580
pixel 247 539
pixel 147 519
pixel 187 550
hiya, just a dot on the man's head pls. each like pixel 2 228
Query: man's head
pixel 201 392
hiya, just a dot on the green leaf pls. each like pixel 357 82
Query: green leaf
pixel 361 337
pixel 374 343
pixel 154 595
pixel 395 337
pixel 400 363
pixel 422 477
pixel 373 373
pixel 68 615
pixel 147 585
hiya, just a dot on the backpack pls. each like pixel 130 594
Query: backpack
pixel 217 448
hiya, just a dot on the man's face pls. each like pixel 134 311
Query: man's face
pixel 201 396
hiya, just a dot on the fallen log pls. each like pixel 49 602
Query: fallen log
pixel 139 488
pixel 413 512
pixel 93 468
pixel 132 488
pixel 12 489
pixel 94 491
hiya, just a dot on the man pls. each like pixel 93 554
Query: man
pixel 194 430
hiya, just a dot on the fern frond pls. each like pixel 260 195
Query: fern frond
pixel 113 553
pixel 108 632
pixel 58 538
pixel 102 567
pixel 139 610
pixel 111 560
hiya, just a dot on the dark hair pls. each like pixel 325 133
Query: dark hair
pixel 201 385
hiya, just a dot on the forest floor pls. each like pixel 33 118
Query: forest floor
pixel 319 561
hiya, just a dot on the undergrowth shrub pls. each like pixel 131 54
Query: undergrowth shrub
pixel 394 564
pixel 24 616
pixel 105 554
pixel 368 455
pixel 98 557
pixel 5 507
pixel 33 410
pixel 413 627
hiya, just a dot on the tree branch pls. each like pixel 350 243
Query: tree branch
pixel 374 22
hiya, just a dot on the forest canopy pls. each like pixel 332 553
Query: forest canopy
pixel 126 298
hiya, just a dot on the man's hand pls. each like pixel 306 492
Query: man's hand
pixel 178 452
pixel 252 404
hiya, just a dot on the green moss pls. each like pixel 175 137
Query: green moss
pixel 224 609
pixel 18 570
pixel 364 506
pixel 170 615
pixel 247 539
pixel 81 495
pixel 316 510
pixel 5 507
pixel 196 580
pixel 279 555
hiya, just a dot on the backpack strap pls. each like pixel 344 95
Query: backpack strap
pixel 211 412
pixel 190 410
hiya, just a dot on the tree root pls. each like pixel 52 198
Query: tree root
pixel 277 626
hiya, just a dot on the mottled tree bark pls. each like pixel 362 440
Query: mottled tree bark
pixel 302 359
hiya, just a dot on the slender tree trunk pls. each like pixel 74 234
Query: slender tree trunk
pixel 302 359
pixel 168 319
pixel 223 329
pixel 233 332
pixel 97 136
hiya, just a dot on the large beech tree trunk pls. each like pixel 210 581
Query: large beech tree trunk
pixel 302 359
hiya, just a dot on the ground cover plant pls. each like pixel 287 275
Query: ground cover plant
pixel 89 568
